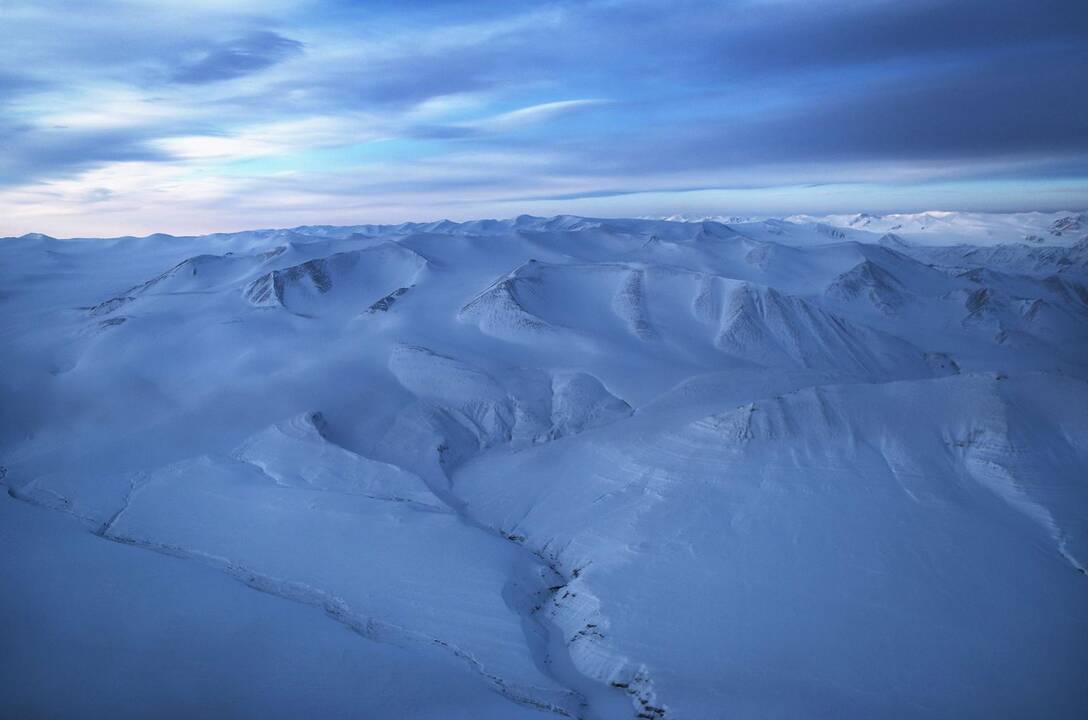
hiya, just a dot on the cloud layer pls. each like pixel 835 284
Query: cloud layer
pixel 129 116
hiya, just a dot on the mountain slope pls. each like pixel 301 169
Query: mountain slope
pixel 600 468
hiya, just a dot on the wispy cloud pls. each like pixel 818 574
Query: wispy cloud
pixel 241 56
pixel 533 114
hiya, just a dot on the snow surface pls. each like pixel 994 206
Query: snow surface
pixel 576 467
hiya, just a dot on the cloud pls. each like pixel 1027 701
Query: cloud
pixel 505 122
pixel 998 109
pixel 534 114
pixel 12 85
pixel 735 41
pixel 241 56
pixel 28 153
pixel 415 66
pixel 98 194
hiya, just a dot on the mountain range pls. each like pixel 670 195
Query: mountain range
pixel 685 468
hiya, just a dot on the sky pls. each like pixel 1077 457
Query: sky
pixel 185 116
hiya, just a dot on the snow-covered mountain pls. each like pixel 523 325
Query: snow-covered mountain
pixel 940 228
pixel 576 467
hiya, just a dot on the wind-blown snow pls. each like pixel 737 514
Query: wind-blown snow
pixel 595 468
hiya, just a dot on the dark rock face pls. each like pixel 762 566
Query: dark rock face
pixel 1073 223
pixel 107 306
pixel 386 302
pixel 269 288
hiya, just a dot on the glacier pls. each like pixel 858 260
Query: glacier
pixel 638 468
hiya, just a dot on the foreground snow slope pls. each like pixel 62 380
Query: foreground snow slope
pixel 95 629
pixel 821 549
pixel 814 467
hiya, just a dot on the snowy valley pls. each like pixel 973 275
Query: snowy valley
pixel 801 467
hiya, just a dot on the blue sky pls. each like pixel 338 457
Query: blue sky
pixel 125 116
